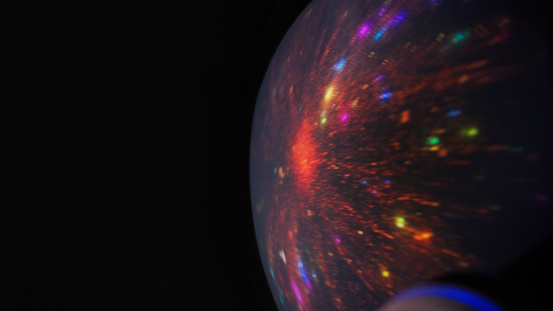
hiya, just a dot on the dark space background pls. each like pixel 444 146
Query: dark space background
pixel 129 171
pixel 131 161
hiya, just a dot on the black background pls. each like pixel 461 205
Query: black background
pixel 131 127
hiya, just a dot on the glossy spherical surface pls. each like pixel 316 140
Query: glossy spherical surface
pixel 395 141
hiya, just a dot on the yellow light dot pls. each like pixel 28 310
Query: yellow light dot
pixel 385 273
pixel 360 232
pixel 329 93
pixel 323 120
pixel 400 222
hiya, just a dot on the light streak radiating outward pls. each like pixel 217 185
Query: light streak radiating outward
pixel 303 274
pixel 297 292
pixel 340 64
pixel 389 135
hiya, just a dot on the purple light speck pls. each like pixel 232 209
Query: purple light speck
pixel 364 30
pixel 344 117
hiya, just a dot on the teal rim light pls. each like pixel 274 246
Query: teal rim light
pixel 457 294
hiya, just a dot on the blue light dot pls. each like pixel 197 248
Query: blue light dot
pixel 379 34
pixel 454 113
pixel 385 95
pixel 340 64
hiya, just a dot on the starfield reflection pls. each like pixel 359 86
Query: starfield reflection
pixel 394 141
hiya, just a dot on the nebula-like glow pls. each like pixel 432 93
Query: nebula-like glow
pixel 390 145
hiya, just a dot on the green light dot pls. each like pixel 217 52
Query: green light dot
pixel 400 222
pixel 460 36
pixel 323 120
pixel 472 132
pixel 275 170
pixel 433 140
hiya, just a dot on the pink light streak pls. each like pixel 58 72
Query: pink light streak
pixel 297 292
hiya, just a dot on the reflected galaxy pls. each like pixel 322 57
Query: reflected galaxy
pixel 395 141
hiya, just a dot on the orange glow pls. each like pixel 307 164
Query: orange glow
pixel 423 235
pixel 280 172
pixel 405 116
pixel 304 157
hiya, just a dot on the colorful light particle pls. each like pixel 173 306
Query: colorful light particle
pixel 385 273
pixel 297 292
pixel 405 116
pixel 363 30
pixel 399 18
pixel 282 256
pixel 340 64
pixel 280 298
pixel 464 78
pixel 272 273
pixel 423 236
pixel 328 93
pixel 385 95
pixel 379 34
pixel 323 120
pixel 426 235
pixel 344 117
pixel 303 274
pixel 400 222
pixel 472 132
pixel 337 240
pixel 433 140
pixel 454 113
pixel 460 36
